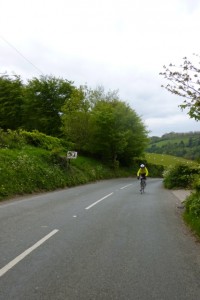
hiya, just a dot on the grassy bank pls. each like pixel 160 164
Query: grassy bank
pixel 192 212
pixel 32 169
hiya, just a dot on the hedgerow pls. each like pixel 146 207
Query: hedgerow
pixel 180 176
pixel 186 177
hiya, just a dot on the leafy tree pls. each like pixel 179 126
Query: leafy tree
pixel 99 94
pixel 103 126
pixel 77 111
pixel 185 82
pixel 75 118
pixel 116 132
pixel 44 98
pixel 11 102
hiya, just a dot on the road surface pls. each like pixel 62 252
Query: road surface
pixel 99 241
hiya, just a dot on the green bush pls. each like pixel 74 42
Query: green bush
pixel 180 176
pixel 192 205
pixel 29 171
pixel 38 139
pixel 196 184
pixel 94 170
pixel 11 139
pixel 33 169
pixel 155 170
pixel 192 212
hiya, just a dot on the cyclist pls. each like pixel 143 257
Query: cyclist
pixel 143 172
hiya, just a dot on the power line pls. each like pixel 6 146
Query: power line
pixel 21 54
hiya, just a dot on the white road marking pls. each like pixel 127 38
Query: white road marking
pixel 15 261
pixel 98 201
pixel 125 186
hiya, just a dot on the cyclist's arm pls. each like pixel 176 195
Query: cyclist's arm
pixel 147 172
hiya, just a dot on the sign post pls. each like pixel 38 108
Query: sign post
pixel 71 155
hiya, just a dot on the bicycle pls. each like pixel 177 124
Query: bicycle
pixel 142 184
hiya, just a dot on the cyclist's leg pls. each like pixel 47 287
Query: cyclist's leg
pixel 145 183
pixel 144 176
pixel 142 185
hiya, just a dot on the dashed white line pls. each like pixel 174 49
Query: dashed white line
pixel 125 186
pixel 15 261
pixel 98 201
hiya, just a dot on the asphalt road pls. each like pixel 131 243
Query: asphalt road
pixel 99 241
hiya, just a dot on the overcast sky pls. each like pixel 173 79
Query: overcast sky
pixel 119 44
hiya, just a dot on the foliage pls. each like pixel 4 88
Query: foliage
pixel 38 139
pixel 35 105
pixel 75 112
pixel 95 122
pixel 185 82
pixel 44 99
pixel 11 139
pixel 180 176
pixel 116 132
pixel 193 222
pixel 33 169
pixel 24 173
pixel 192 205
pixel 155 170
pixel 196 184
pixel 11 102
pixel 110 130
pixel 192 211
pixel 20 138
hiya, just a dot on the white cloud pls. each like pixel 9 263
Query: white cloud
pixel 171 124
pixel 120 44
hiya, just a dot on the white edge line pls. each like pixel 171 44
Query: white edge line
pixel 12 263
pixel 125 186
pixel 98 201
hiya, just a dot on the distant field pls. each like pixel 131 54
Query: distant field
pixel 167 160
pixel 172 141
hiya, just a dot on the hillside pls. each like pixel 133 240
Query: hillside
pixel 186 145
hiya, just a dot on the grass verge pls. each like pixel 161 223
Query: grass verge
pixel 192 212
pixel 193 223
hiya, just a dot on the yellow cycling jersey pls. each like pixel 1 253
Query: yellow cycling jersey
pixel 143 171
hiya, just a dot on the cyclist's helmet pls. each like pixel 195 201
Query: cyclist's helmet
pixel 142 166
